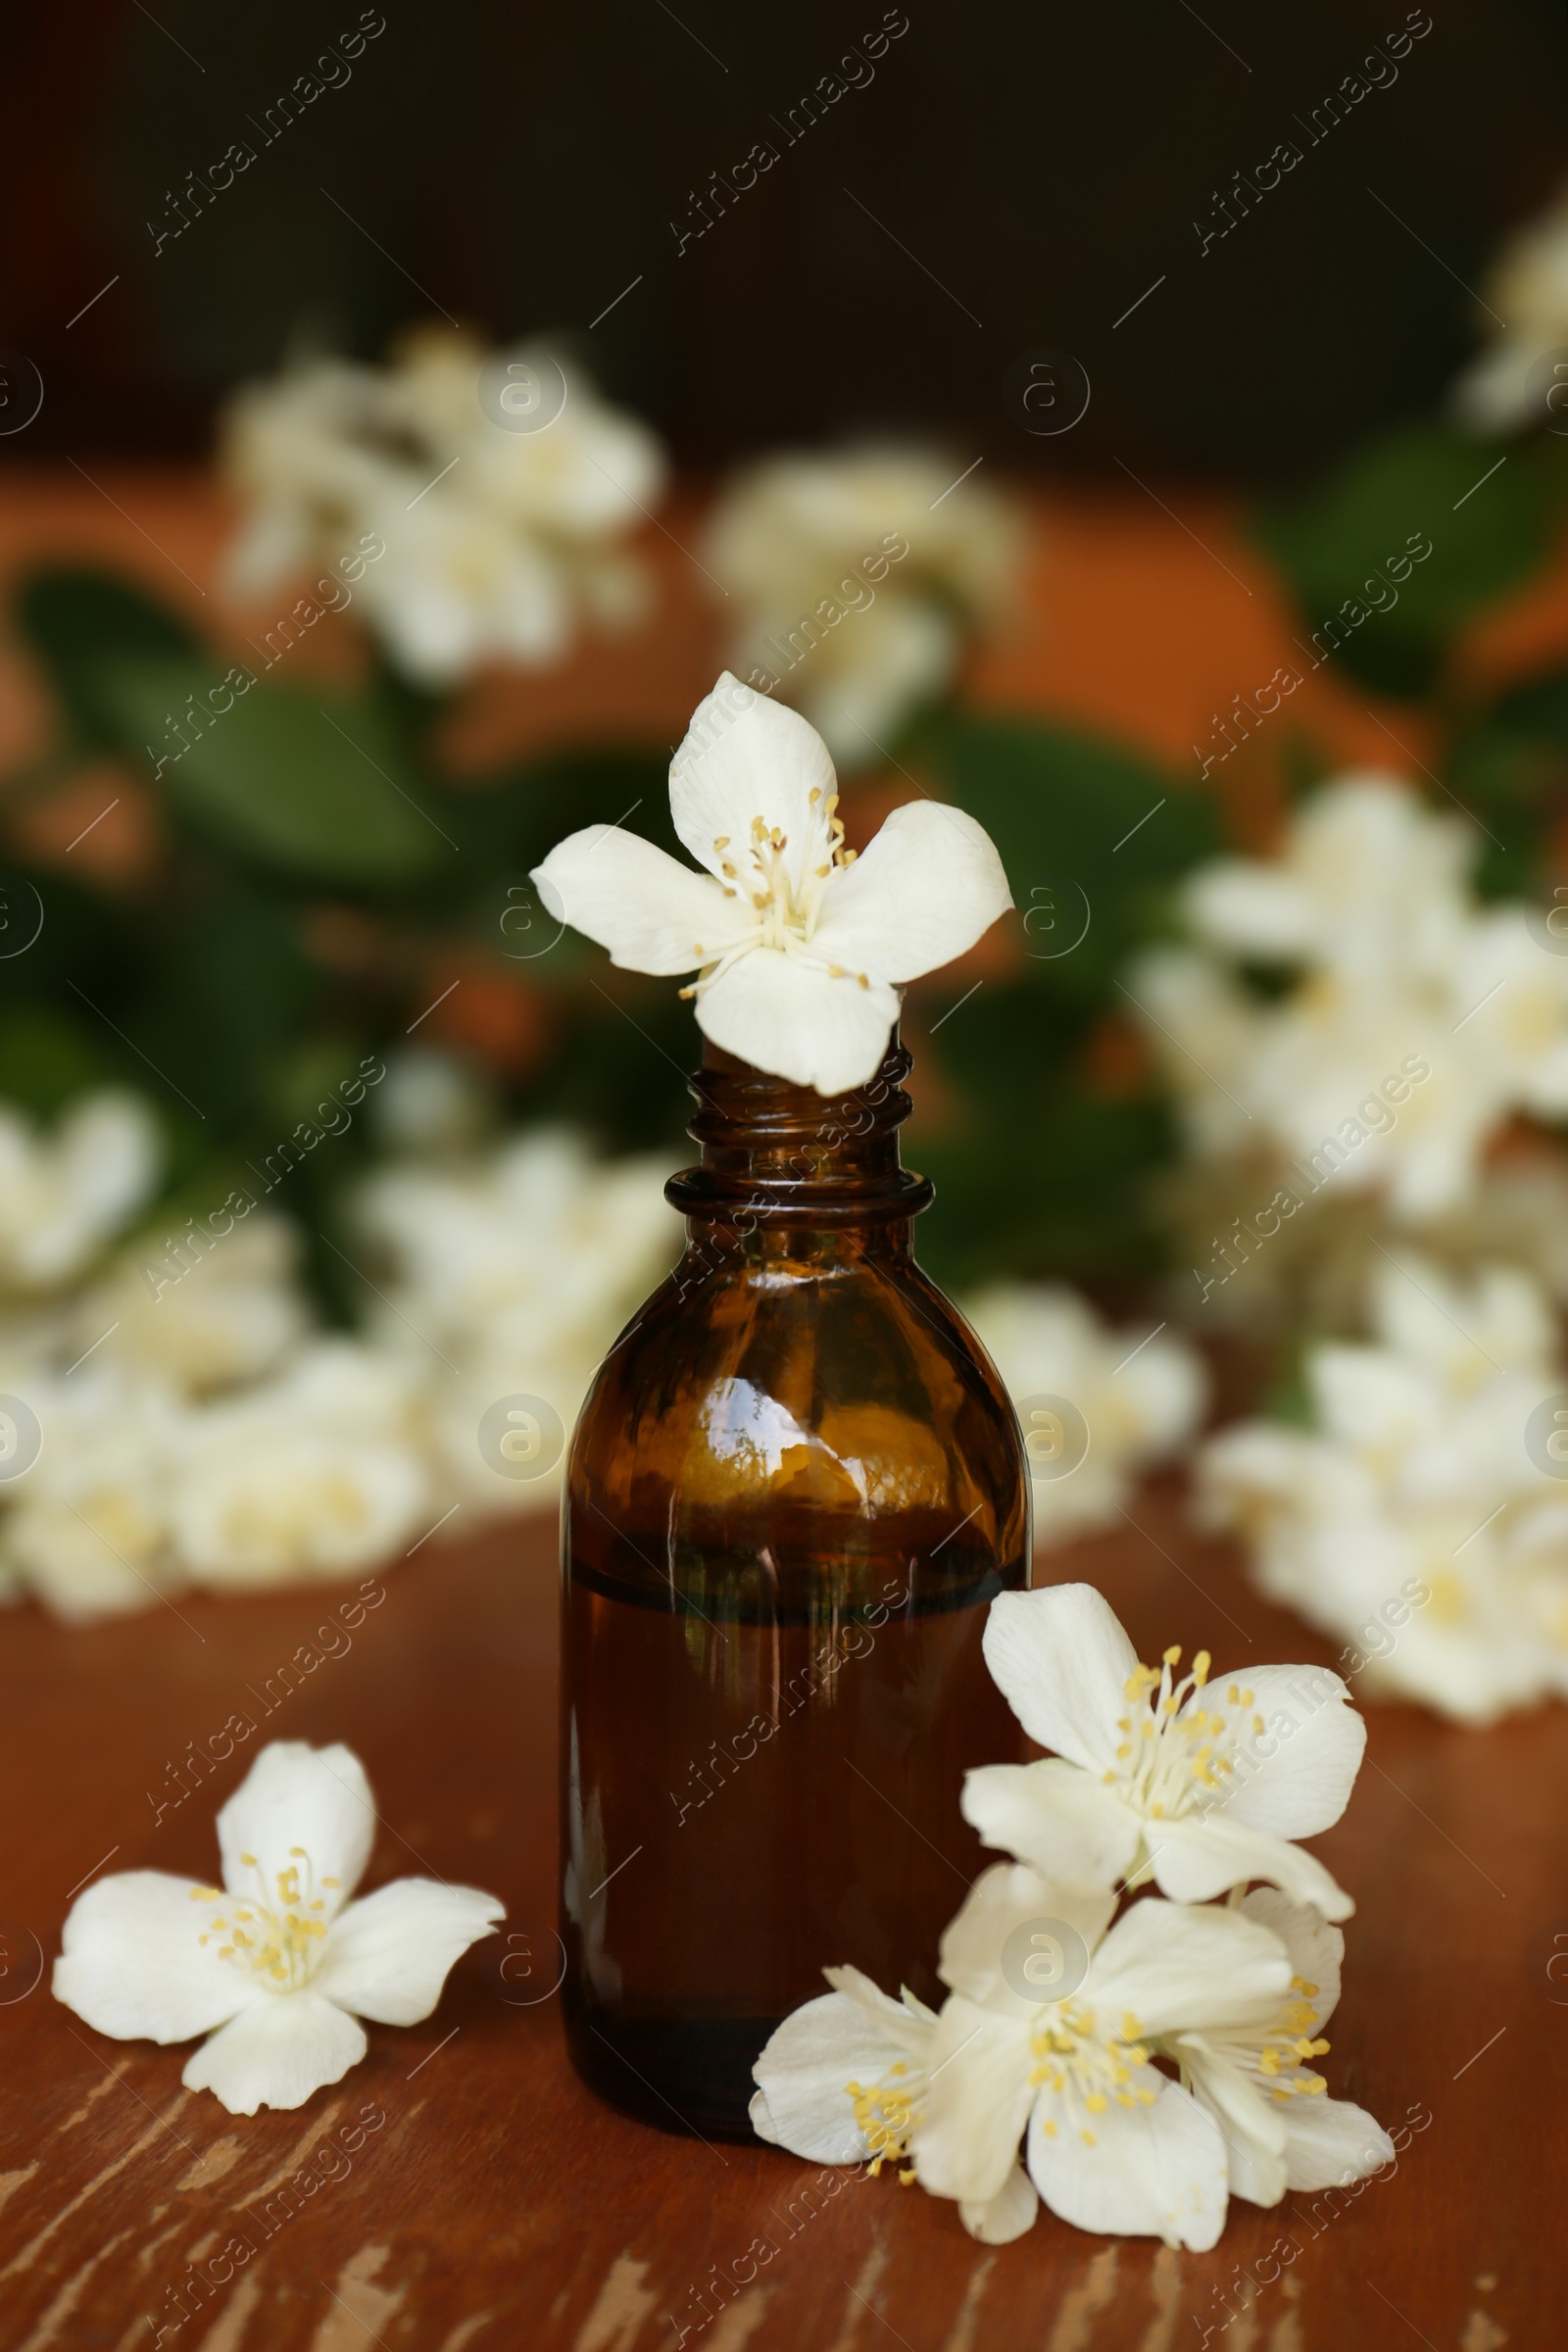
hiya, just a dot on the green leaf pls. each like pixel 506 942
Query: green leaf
pixel 308 781
pixel 1342 545
pixel 77 620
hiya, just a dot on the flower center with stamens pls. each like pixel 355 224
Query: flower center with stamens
pixel 278 1934
pixel 888 2113
pixel 1286 2046
pixel 786 908
pixel 1175 1748
pixel 1084 2068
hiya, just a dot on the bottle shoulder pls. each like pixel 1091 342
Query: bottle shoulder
pixel 849 1390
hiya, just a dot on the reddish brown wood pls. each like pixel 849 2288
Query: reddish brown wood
pixel 497 2206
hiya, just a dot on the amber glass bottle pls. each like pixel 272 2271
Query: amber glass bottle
pixel 794 1486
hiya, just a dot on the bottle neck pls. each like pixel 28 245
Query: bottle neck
pixel 779 1155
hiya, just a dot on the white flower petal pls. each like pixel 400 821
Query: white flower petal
pixel 1198 1855
pixel 1329 2143
pixel 785 1015
pixel 276 2052
pixel 132 1964
pixel 745 757
pixel 1174 1968
pixel 651 912
pixel 1008 2214
pixel 1001 1900
pixel 1252 2125
pixel 1314 1949
pixel 1317 1740
pixel 925 890
pixel 387 1957
pixel 980 2094
pixel 804 2074
pixel 296 1797
pixel 1064 1823
pixel 1061 1661
pixel 1151 2171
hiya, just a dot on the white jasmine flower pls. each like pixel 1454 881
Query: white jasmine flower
pixel 64 1197
pixel 1140 1402
pixel 279 1960
pixel 1417 1025
pixel 1281 2129
pixel 801 946
pixel 856 578
pixel 1528 286
pixel 1199 1788
pixel 309 1476
pixel 491 541
pixel 1111 2143
pixel 1409 1521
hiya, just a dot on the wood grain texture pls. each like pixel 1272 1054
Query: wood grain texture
pixel 495 2204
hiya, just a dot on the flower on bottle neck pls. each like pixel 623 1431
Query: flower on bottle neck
pixel 1259 2083
pixel 1199 1788
pixel 801 947
pixel 278 1965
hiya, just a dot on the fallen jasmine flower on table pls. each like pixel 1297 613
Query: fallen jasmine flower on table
pixel 278 1960
pixel 1063 2021
pixel 1154 1777
pixel 1281 2129
pixel 801 946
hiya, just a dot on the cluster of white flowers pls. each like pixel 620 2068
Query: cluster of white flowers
pixel 1153 2064
pixel 856 578
pixel 1138 1400
pixel 1505 387
pixel 194 1429
pixel 1415 1022
pixel 493 539
pixel 200 1429
pixel 1422 1519
pixel 509 1275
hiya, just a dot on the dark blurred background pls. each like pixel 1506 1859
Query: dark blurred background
pixel 1016 177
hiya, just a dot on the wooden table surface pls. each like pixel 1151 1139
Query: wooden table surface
pixel 496 2204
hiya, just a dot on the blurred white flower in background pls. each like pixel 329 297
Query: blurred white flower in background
pixel 510 1274
pixel 64 1196
pixel 1409 1520
pixel 1528 286
pixel 1416 1022
pixel 234 1316
pixel 309 1476
pixel 856 578
pixel 1140 1402
pixel 495 542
